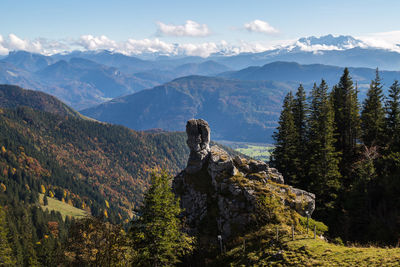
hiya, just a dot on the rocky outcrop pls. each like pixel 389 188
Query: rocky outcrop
pixel 220 194
pixel 198 141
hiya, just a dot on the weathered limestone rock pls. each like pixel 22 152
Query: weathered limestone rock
pixel 220 165
pixel 198 133
pixel 304 202
pixel 221 192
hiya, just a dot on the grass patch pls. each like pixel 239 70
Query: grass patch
pixel 63 208
pixel 258 151
pixel 261 249
pixel 316 252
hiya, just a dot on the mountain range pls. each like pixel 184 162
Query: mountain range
pixel 307 74
pixel 132 91
pixel 91 79
pixel 239 105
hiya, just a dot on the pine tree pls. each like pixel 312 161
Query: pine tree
pixel 6 255
pixel 392 106
pixel 347 121
pixel 157 234
pixel 373 114
pixel 323 159
pixel 284 155
pixel 300 113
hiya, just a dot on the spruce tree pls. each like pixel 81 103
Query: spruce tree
pixel 392 106
pixel 347 121
pixel 284 155
pixel 323 159
pixel 300 113
pixel 6 253
pixel 373 114
pixel 157 234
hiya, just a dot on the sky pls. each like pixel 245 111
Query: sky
pixel 49 26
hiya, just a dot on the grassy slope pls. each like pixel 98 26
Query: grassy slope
pixel 263 250
pixel 64 208
pixel 316 252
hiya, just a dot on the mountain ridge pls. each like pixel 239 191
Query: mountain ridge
pixel 233 108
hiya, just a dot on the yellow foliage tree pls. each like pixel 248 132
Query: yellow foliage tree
pixel 51 194
pixel 3 187
pixel 3 149
pixel 42 189
pixel 105 214
pixel 107 204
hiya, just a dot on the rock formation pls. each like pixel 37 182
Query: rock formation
pixel 219 194
pixel 198 133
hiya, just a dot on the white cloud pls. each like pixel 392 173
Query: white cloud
pixel 38 45
pixel 190 28
pixel 91 42
pixel 3 50
pixel 386 40
pixel 202 50
pixel 133 46
pixel 128 47
pixel 17 43
pixel 260 26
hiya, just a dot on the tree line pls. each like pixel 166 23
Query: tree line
pixel 347 153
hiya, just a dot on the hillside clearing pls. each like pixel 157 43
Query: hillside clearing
pixel 64 208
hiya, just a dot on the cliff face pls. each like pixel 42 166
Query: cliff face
pixel 221 195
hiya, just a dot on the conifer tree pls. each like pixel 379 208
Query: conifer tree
pixel 6 255
pixel 323 159
pixel 347 121
pixel 157 234
pixel 373 114
pixel 300 113
pixel 392 106
pixel 284 155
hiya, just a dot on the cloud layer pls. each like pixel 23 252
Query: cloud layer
pixel 260 26
pixel 385 40
pixel 189 29
pixel 128 47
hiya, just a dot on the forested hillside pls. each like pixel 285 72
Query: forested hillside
pixel 93 161
pixel 53 158
pixel 347 153
pixel 236 110
pixel 13 96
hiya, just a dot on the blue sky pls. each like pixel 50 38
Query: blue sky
pixel 119 20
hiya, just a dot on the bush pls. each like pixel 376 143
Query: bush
pixel 321 227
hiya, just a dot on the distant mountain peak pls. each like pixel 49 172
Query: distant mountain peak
pixel 327 42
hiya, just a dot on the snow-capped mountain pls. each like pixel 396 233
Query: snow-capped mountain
pixel 328 42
